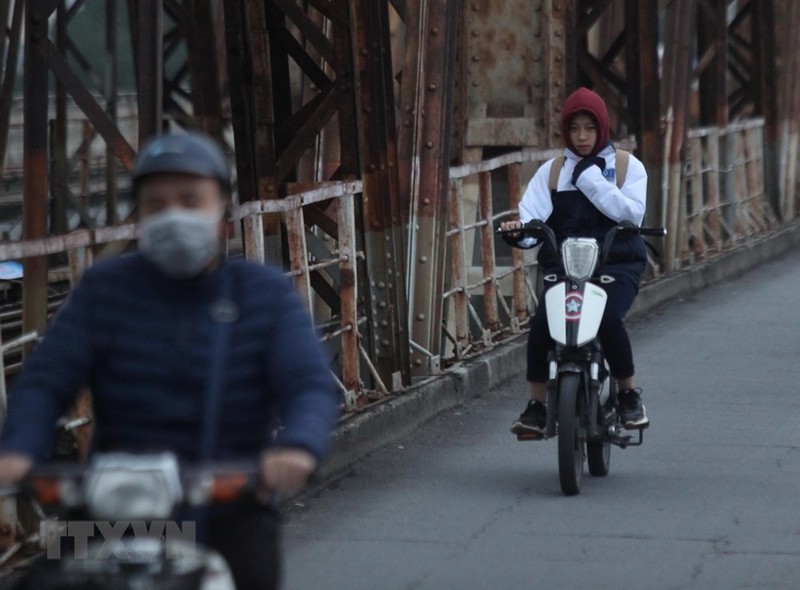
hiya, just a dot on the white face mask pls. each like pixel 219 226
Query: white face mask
pixel 181 242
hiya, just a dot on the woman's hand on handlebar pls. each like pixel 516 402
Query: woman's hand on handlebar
pixel 510 226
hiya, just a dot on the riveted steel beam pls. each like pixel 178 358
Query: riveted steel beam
pixel 147 25
pixel 642 96
pixel 111 91
pixel 712 50
pixel 248 44
pixel 34 176
pixel 677 78
pixel 788 22
pixel 441 30
pixel 560 64
pixel 385 289
pixel 765 73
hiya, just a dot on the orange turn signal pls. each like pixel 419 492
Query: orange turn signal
pixel 46 490
pixel 228 487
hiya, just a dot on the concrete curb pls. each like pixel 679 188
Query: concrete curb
pixel 398 415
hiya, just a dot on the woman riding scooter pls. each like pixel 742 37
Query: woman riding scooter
pixel 585 198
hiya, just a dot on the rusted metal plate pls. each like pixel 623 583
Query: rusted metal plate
pixel 557 46
pixel 498 131
pixel 501 64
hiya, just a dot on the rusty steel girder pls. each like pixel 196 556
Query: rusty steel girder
pixel 95 94
pixel 35 185
pixel 316 103
pixel 147 24
pixel 438 43
pixel 385 288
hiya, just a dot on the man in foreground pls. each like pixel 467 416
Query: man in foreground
pixel 186 351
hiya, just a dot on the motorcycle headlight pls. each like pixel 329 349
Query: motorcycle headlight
pixel 580 257
pixel 120 486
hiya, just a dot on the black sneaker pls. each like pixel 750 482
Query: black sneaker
pixel 533 421
pixel 631 410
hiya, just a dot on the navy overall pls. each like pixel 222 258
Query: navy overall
pixel 575 216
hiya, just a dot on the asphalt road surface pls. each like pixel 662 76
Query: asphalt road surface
pixel 710 501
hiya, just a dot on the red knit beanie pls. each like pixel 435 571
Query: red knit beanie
pixel 584 100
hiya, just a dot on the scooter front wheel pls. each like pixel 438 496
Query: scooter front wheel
pixel 570 442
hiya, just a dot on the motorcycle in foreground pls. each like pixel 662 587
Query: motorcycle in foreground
pixel 582 408
pixel 117 529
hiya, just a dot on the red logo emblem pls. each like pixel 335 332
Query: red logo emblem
pixel 573 303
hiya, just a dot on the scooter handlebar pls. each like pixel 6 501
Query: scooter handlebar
pixel 533 229
pixel 218 482
pixel 539 229
pixel 656 232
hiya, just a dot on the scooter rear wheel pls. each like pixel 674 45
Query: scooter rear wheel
pixel 598 455
pixel 598 452
pixel 570 442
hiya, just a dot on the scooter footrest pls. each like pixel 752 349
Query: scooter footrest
pixel 526 436
pixel 623 441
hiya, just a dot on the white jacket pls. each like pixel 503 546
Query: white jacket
pixel 627 203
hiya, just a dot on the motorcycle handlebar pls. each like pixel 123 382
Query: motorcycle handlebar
pixel 538 229
pixel 656 232
pixel 217 482
pixel 533 229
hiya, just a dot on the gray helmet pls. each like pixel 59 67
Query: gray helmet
pixel 188 153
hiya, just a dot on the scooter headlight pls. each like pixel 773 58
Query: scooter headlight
pixel 119 486
pixel 580 257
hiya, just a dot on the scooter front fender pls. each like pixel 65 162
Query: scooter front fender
pixel 574 313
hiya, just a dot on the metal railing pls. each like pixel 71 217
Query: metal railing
pixel 475 217
pixel 722 204
pixel 723 179
pixel 342 259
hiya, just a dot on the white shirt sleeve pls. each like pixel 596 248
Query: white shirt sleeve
pixel 626 204
pixel 536 202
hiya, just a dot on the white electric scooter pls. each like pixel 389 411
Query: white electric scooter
pixel 581 395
